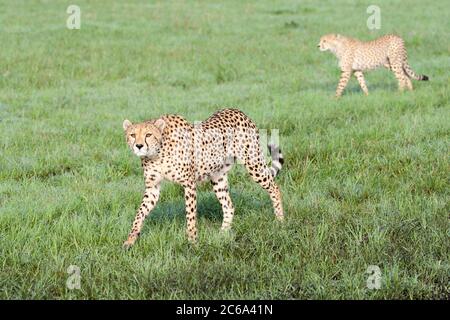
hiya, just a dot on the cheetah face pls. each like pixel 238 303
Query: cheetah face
pixel 144 139
pixel 328 42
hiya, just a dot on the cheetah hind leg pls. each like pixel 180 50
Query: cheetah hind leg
pixel 408 82
pixel 220 187
pixel 260 173
pixel 400 74
pixel 406 79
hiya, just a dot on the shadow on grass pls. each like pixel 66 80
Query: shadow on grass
pixel 353 87
pixel 207 206
pixel 356 89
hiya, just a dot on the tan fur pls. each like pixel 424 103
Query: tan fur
pixel 173 149
pixel 357 56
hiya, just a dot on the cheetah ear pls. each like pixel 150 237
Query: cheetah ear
pixel 160 124
pixel 126 124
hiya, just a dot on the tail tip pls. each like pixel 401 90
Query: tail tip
pixel 425 78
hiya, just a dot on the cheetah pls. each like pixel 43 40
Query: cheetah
pixel 170 148
pixel 357 56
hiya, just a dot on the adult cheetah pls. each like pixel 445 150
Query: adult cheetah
pixel 357 56
pixel 171 148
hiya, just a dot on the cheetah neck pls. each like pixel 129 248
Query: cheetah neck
pixel 339 50
pixel 341 46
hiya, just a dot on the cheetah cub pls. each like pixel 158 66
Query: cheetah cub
pixel 357 56
pixel 171 148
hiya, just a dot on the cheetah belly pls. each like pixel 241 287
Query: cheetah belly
pixel 210 155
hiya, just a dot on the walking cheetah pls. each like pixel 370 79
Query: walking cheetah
pixel 171 148
pixel 357 56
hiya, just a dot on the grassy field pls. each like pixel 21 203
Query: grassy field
pixel 366 179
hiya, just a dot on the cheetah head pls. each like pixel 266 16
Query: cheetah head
pixel 329 42
pixel 144 138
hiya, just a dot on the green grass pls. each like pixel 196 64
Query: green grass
pixel 366 179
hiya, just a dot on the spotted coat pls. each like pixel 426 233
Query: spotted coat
pixel 357 56
pixel 173 149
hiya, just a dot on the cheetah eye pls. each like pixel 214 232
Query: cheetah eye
pixel 148 135
pixel 133 135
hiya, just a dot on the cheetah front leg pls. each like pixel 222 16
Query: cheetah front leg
pixel 220 187
pixel 151 196
pixel 360 77
pixel 190 196
pixel 345 77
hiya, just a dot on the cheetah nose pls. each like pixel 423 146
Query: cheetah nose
pixel 139 146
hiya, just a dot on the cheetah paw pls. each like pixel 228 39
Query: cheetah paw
pixel 128 244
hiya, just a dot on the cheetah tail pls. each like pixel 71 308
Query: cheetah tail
pixel 412 74
pixel 277 159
